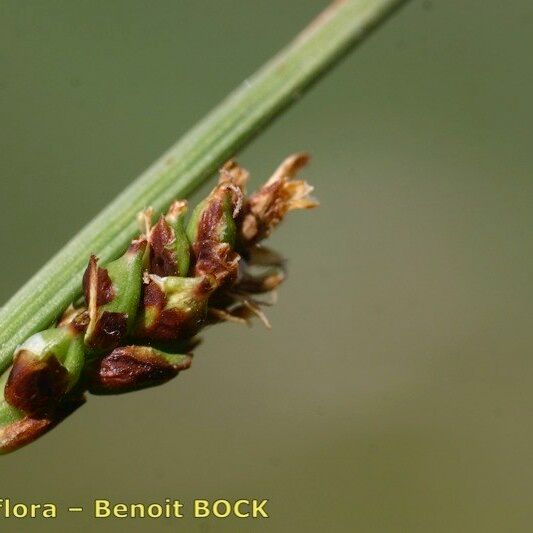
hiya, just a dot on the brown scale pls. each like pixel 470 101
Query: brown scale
pixel 125 367
pixel 34 385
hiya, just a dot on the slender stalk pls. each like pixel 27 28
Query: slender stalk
pixel 190 161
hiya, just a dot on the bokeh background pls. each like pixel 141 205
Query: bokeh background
pixel 395 390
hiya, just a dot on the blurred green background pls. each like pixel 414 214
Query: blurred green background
pixel 394 392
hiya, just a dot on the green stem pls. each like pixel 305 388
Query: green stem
pixel 190 161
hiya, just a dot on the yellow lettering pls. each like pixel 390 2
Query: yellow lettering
pixel 49 510
pixel 223 503
pixel 154 510
pixel 257 508
pixel 101 508
pixel 120 510
pixel 201 508
pixel 237 506
pixel 137 507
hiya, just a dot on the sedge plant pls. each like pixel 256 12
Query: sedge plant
pixel 117 310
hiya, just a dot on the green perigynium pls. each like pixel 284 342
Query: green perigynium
pixel 112 295
pixel 141 312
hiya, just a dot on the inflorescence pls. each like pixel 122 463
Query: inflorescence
pixel 137 322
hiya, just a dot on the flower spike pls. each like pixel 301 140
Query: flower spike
pixel 141 314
